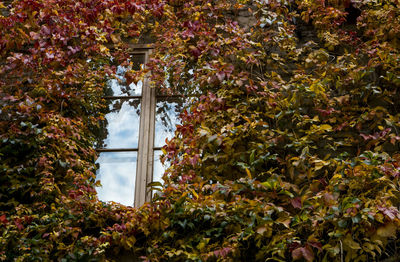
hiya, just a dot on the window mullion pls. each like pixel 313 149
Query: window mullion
pixel 150 156
pixel 146 136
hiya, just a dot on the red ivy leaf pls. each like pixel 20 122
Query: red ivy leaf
pixel 303 252
pixel 17 222
pixel 308 253
pixel 317 245
pixel 297 254
pixel 296 202
pixel 3 219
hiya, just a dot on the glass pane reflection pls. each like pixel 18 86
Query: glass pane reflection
pixel 158 167
pixel 120 88
pixel 117 174
pixel 122 124
pixel 167 117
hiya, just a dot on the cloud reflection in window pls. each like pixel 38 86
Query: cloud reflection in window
pixel 167 117
pixel 122 125
pixel 117 175
pixel 119 88
pixel 158 168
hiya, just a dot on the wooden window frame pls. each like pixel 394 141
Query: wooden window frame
pixel 144 164
pixel 144 171
pixel 145 149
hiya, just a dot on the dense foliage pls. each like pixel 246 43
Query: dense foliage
pixel 291 153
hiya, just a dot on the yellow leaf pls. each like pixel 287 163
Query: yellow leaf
pixel 317 88
pixel 261 230
pixel 248 173
pixel 315 119
pixel 369 248
pixel 131 241
pixel 194 193
pixel 325 127
pixel 203 243
pixel 115 38
pixel 388 230
pixel 348 241
pixel 103 49
pixel 284 221
pixel 320 164
pixel 23 33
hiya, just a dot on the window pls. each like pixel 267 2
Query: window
pixel 136 126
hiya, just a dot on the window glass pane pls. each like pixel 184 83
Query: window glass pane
pixel 117 174
pixel 158 168
pixel 121 125
pixel 119 86
pixel 167 117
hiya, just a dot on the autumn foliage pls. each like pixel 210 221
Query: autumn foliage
pixel 291 152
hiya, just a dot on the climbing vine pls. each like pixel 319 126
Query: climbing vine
pixel 290 152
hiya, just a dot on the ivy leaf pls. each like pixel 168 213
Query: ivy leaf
pixel 296 202
pixel 388 230
pixel 3 219
pixel 348 241
pixel 325 127
pixel 303 252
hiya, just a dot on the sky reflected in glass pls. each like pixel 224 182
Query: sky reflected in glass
pixel 158 167
pixel 123 124
pixel 117 175
pixel 120 88
pixel 167 117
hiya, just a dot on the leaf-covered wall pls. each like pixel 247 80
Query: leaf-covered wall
pixel 290 153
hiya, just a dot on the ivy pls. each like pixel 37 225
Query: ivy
pixel 291 152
